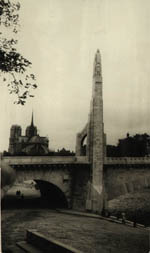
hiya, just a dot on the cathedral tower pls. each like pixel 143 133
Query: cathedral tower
pixel 15 133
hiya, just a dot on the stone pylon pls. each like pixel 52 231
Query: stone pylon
pixel 95 138
pixel 96 142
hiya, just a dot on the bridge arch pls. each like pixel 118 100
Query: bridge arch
pixel 51 193
pixel 39 194
pixel 57 176
pixel 81 149
pixel 84 145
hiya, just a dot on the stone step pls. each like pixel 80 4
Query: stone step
pixel 13 249
pixel 48 244
pixel 26 247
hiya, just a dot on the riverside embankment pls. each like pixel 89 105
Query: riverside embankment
pixel 87 234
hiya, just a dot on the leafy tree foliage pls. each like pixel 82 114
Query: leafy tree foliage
pixel 20 81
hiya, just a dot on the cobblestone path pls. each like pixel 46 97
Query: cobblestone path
pixel 90 235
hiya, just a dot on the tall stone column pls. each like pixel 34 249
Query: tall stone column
pixel 96 138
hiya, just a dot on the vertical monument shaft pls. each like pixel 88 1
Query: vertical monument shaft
pixel 95 151
pixel 96 137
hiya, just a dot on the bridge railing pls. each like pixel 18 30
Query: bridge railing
pixel 127 160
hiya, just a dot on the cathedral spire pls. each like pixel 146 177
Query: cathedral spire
pixel 32 124
pixel 97 64
pixel 31 130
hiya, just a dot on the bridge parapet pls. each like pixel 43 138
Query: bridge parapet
pixel 126 160
pixel 18 160
pixel 82 159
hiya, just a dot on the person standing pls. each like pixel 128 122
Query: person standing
pixel 123 218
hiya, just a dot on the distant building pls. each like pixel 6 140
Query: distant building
pixel 137 145
pixel 64 152
pixel 30 144
pixel 131 146
pixel 112 151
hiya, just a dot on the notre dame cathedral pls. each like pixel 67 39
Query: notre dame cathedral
pixel 30 144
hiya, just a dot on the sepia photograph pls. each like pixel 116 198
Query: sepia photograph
pixel 75 126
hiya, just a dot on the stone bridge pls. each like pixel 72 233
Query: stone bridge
pixel 69 177
pixel 88 179
pixel 55 175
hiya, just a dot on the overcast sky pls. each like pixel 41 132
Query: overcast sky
pixel 60 38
